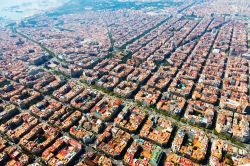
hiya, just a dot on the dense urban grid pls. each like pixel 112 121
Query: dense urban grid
pixel 139 86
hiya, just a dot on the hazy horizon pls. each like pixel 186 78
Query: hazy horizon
pixel 14 10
